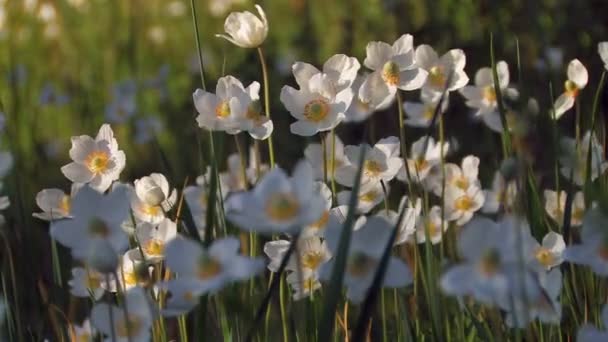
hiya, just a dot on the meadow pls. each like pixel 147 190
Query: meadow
pixel 303 170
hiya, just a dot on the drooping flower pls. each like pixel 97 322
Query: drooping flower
pixel 393 67
pixel 382 162
pixel 152 198
pixel 364 255
pixel 577 80
pixel 246 30
pixel 278 203
pixel 132 327
pixel 439 68
pixel 314 155
pixel 153 239
pixel 97 162
pixel 54 203
pixel 482 96
pixel 555 206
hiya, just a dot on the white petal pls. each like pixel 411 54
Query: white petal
pixel 426 57
pixel 577 73
pixel 563 103
pixel 77 173
pixel 377 54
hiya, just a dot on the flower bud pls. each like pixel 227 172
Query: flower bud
pixel 246 30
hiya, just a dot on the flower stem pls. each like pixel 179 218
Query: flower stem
pixel 266 102
pixel 403 143
pixel 333 164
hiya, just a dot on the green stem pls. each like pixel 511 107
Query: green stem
pixel 333 165
pixel 401 114
pixel 266 102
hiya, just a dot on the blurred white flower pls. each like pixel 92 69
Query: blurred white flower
pixel 278 203
pixel 87 282
pixel 314 155
pixel 157 34
pixel 152 198
pixel 462 177
pixel 364 255
pixel 97 162
pixel 359 110
pixel 317 228
pixel 577 80
pixel 176 8
pixel 246 30
pixel 501 196
pixel 550 253
pixel 393 68
pixel 574 159
pixel 460 205
pixel 196 197
pixel 54 203
pixel 439 68
pixel 132 327
pixel 303 284
pixel 153 239
pixel 589 333
pixel 432 225
pixel 131 270
pixel 420 114
pixel 602 49
pixel 182 297
pixel 593 249
pixel 555 206
pixel 83 332
pixel 370 195
pixel 422 159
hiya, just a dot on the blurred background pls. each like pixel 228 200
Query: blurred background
pixel 67 66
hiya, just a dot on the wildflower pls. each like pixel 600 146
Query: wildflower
pixel 232 179
pixel 317 228
pixel 574 159
pixel 502 195
pixel 152 198
pixel 602 49
pixel 210 269
pixel 382 162
pixel 83 332
pixel 431 225
pixel 182 297
pixel 370 195
pixel 577 80
pixel 153 239
pixel 393 68
pixel 359 110
pixel 550 253
pixel 303 284
pixel 407 229
pixel 54 203
pixel 589 333
pixel 461 177
pixel 133 326
pixel 246 30
pixel 593 250
pixel 555 205
pixel 482 95
pixel 258 126
pixel 97 162
pixel 278 203
pixel 96 218
pixel 311 253
pixel 423 158
pixel 314 155
pixel 132 271
pixel 460 205
pixel 197 197
pixel 364 255
pixel 420 114
pixel 439 68
pixel 226 109
pixel 89 283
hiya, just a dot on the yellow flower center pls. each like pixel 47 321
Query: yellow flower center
pixel 282 206
pixel 363 106
pixel 93 281
pixel 322 221
pixel 431 228
pixel 489 94
pixel 222 110
pixel 462 183
pixel 489 263
pixel 152 210
pixel 65 205
pixel 429 112
pixel 419 164
pixel 571 88
pixel 97 161
pixel 463 203
pixel 390 73
pixel 371 168
pixel 154 247
pixel 208 268
pixel 130 326
pixel 437 77
pixel 544 257
pixel 360 265
pixel 316 110
pixel 312 260
pixel 369 196
pixel 98 228
pixel 130 278
pixel 84 337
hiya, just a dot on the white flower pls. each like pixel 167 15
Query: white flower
pixel 303 284
pixel 420 114
pixel 422 160
pixel 152 198
pixel 556 205
pixel 246 30
pixel 89 283
pixel 317 228
pixel 182 297
pixel 364 255
pixel 502 195
pixel 340 69
pixel 97 162
pixel 550 253
pixel 602 49
pixel 54 203
pixel 255 123
pixel 589 333
pixel 439 68
pixel 96 218
pixel 153 239
pixel 82 333
pixel 577 80
pixel 393 68
pixel 132 327
pixel 593 250
pixel 431 224
pixel 370 195
pixel 232 179
pixel 460 205
pixel 226 109
pixel 311 252
pixel 132 270
pixel 382 162
pixel 318 105
pixel 461 177
pixel 209 269
pixel 278 203
pixel 359 111
pixel 314 155
pixel 482 96
pixel 574 159
pixel 407 228
pixel 197 197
